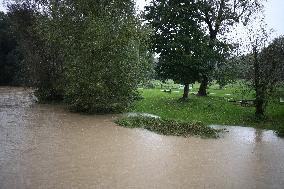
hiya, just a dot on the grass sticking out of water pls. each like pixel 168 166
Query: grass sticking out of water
pixel 169 126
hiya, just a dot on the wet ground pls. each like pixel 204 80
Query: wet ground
pixel 44 146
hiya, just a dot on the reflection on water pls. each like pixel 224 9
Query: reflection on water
pixel 44 146
pixel 259 135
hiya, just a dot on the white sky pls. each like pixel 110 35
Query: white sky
pixel 274 15
pixel 1 5
pixel 274 12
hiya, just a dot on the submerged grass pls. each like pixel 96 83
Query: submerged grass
pixel 169 126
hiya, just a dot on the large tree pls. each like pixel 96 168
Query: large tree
pixel 179 40
pixel 219 16
pixel 108 55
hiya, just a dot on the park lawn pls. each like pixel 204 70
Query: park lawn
pixel 210 110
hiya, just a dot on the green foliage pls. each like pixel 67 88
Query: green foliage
pixel 179 40
pixel 231 70
pixel 188 52
pixel 42 64
pixel 219 16
pixel 91 54
pixel 168 126
pixel 107 60
pixel 267 66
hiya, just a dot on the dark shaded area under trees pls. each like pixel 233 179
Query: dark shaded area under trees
pixel 10 56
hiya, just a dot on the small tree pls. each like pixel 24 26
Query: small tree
pixel 267 65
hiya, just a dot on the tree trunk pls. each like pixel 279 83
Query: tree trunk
pixel 259 107
pixel 185 91
pixel 203 86
pixel 259 99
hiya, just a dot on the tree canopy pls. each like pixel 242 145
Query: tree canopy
pixel 91 54
pixel 179 40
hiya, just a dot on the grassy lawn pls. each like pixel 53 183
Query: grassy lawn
pixel 213 109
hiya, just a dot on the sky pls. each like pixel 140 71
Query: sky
pixel 273 10
pixel 274 13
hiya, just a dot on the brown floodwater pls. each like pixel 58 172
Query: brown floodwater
pixel 45 146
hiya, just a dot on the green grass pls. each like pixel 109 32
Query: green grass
pixel 213 109
pixel 169 126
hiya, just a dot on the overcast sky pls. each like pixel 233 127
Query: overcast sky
pixel 274 11
pixel 274 14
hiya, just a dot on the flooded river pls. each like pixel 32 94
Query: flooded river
pixel 45 146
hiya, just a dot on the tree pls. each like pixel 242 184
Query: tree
pixel 267 66
pixel 226 72
pixel 179 40
pixel 218 16
pixel 43 64
pixel 107 57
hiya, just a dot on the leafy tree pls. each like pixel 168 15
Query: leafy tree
pixel 267 72
pixel 107 57
pixel 225 72
pixel 231 69
pixel 179 40
pixel 218 16
pixel 267 66
pixel 42 61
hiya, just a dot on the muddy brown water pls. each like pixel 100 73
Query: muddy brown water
pixel 45 146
